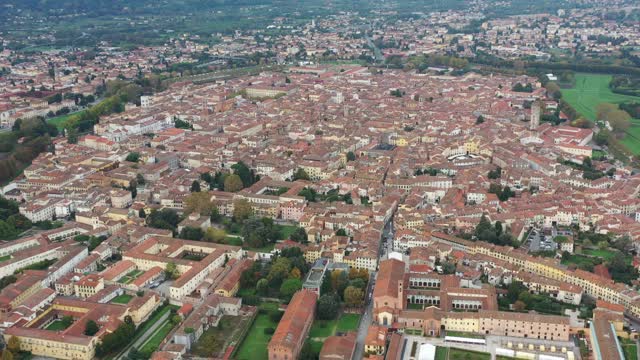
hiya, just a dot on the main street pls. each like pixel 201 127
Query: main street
pixel 367 316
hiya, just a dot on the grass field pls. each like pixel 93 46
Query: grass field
pixel 321 329
pixel 632 140
pixel 130 276
pixel 57 325
pixel 154 342
pixel 255 344
pixel 590 91
pixel 286 231
pixel 58 121
pixel 464 334
pixel 326 328
pixel 606 254
pixel 5 258
pixel 445 353
pixel 580 261
pixel 630 348
pixel 122 299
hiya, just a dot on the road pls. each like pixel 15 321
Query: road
pixel 367 317
pixel 147 334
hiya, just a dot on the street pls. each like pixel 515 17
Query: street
pixel 367 317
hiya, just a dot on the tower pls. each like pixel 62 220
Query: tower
pixel 535 115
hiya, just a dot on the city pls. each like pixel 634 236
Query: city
pixel 283 180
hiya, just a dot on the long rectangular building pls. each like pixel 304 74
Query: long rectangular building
pixel 294 327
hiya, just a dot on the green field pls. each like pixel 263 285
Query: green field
pixel 590 91
pixel 130 276
pixel 630 349
pixel 59 121
pixel 5 258
pixel 286 231
pixel 632 140
pixel 464 334
pixel 326 328
pixel 122 299
pixel 57 325
pixel 154 341
pixel 446 353
pixel 255 344
pixel 605 254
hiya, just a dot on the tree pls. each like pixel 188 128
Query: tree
pixel 141 213
pixel 133 157
pixel 191 233
pixel 328 307
pixel 353 296
pixel 262 286
pixel 258 232
pixel 308 193
pixel 299 235
pixel 479 120
pixel 7 355
pixel 623 243
pixel 339 281
pixel 163 219
pixel 300 174
pixel 519 306
pixel 91 328
pixel 307 352
pixel 13 344
pixel 553 90
pixel 295 273
pixel 247 175
pixel 215 235
pixel 72 136
pixel 290 287
pixel 199 202
pixel 351 156
pixel 195 186
pixel 241 210
pixel 171 271
pixel 233 183
pixel 279 271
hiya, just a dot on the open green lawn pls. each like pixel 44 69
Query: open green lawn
pixel 632 139
pixel 57 325
pixel 122 299
pixel 154 341
pixel 149 323
pixel 323 328
pixel 254 346
pixel 130 276
pixel 464 334
pixel 441 353
pixel 58 121
pixel 286 231
pixel 606 254
pixel 579 261
pixel 591 90
pixel 458 354
pixel 348 322
pixel 326 328
pixel 630 349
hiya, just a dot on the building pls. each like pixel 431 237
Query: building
pixel 294 327
pixel 339 347
pixel 313 281
pixel 388 294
